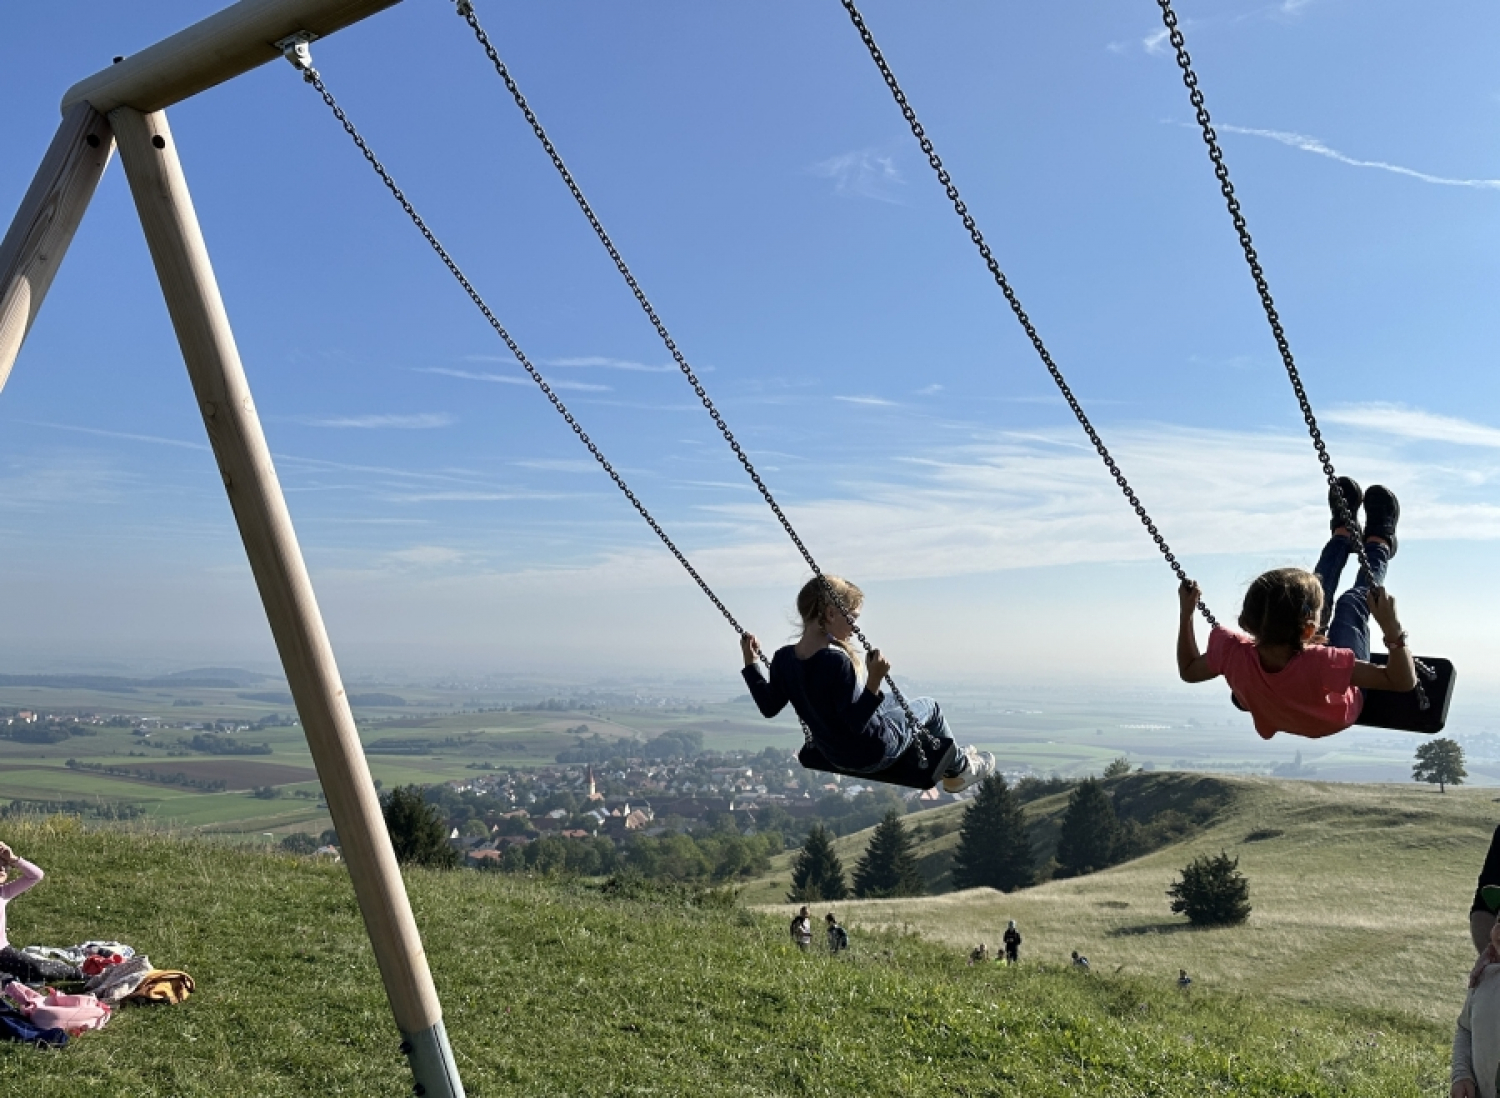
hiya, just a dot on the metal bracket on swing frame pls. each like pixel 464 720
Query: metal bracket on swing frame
pixel 294 47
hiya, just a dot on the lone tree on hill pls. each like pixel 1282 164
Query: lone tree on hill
pixel 1118 767
pixel 418 831
pixel 1090 832
pixel 1440 763
pixel 994 849
pixel 1212 892
pixel 817 873
pixel 888 866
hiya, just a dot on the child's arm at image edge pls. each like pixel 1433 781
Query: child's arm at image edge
pixel 1192 665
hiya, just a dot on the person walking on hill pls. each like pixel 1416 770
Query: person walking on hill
pixel 15 965
pixel 802 930
pixel 1080 961
pixel 1012 939
pixel 1184 981
pixel 838 937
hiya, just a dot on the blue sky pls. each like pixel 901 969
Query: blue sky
pixel 761 183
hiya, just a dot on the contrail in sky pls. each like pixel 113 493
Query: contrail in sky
pixel 1313 145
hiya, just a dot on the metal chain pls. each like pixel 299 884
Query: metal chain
pixel 1015 303
pixel 312 77
pixel 1262 287
pixel 465 9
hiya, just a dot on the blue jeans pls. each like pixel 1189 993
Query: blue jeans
pixel 1351 613
pixel 896 733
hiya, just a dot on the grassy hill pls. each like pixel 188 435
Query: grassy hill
pixel 558 989
pixel 1360 892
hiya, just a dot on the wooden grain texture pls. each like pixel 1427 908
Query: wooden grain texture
pixel 230 42
pixel 43 227
pixel 234 430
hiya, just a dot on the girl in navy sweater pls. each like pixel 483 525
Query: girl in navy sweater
pixel 857 727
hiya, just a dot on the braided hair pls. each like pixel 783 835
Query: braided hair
pixel 1280 605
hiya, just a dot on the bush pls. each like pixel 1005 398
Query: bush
pixel 418 831
pixel 1212 892
pixel 299 842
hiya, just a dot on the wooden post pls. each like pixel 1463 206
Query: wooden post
pixel 213 363
pixel 43 227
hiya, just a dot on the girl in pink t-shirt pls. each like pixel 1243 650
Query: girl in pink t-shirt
pixel 1288 677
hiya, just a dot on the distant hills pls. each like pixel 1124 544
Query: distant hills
pixel 229 678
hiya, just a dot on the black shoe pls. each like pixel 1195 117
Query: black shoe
pixel 1382 512
pixel 1353 497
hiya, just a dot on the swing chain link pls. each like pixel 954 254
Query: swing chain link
pixel 1262 287
pixel 465 9
pixel 311 76
pixel 962 209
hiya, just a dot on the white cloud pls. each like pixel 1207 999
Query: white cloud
pixel 420 421
pixel 1314 145
pixel 1414 423
pixel 1156 42
pixel 427 554
pixel 862 174
pixel 876 402
pixel 611 364
pixel 516 379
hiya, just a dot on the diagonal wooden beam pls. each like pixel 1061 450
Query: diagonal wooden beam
pixel 43 227
pixel 230 42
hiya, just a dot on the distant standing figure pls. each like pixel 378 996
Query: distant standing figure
pixel 838 937
pixel 1012 941
pixel 1184 981
pixel 802 930
pixel 979 954
pixel 1080 961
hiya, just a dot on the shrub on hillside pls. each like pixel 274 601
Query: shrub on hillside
pixel 1212 892
pixel 299 842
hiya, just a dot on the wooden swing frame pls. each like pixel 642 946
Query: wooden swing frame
pixel 124 105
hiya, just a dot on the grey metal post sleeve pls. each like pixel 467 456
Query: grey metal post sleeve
pixel 434 1073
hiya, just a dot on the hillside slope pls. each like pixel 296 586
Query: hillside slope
pixel 556 989
pixel 1360 894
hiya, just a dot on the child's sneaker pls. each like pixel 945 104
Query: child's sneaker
pixel 1382 512
pixel 1353 497
pixel 975 766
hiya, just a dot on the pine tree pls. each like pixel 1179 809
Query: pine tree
pixel 817 873
pixel 417 829
pixel 1212 892
pixel 1090 832
pixel 994 849
pixel 1440 763
pixel 888 866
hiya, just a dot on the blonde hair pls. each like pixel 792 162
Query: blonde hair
pixel 1280 605
pixel 816 601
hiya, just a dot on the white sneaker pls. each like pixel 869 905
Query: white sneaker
pixel 979 765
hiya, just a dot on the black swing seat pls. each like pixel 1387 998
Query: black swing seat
pixel 906 770
pixel 1423 710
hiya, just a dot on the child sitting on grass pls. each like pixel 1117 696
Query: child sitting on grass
pixel 15 965
pixel 1286 676
pixel 859 729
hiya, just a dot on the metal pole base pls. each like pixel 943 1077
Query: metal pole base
pixel 433 1071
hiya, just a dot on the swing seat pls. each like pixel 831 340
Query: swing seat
pixel 1406 712
pixel 1423 710
pixel 906 770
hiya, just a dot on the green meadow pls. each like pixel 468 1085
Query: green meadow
pixel 558 988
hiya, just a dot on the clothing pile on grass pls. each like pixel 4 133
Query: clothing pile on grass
pixel 93 980
pixel 50 993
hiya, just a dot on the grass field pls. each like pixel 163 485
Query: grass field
pixel 555 989
pixel 1361 896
